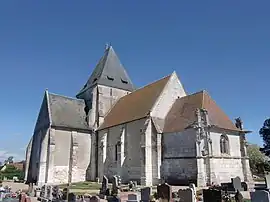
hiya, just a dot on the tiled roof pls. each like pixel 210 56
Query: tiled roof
pixel 109 72
pixel 135 105
pixel 182 113
pixel 67 112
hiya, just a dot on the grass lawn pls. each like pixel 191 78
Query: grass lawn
pixel 83 186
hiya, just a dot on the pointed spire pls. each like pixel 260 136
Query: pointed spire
pixel 109 72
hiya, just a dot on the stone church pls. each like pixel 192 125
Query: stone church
pixel 153 133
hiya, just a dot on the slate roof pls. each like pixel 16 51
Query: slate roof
pixel 182 113
pixel 109 72
pixel 67 112
pixel 135 105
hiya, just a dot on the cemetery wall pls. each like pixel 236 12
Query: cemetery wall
pixel 171 92
pixel 131 164
pixel 179 156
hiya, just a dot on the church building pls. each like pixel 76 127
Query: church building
pixel 151 134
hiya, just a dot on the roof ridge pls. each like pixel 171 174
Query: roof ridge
pixel 64 96
pixel 152 83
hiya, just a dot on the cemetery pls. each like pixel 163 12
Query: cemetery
pixel 235 191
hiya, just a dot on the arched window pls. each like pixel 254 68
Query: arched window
pixel 224 144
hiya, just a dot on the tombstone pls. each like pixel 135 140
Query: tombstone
pixel 244 186
pixel 43 191
pixel 212 195
pixel 260 196
pixel 104 187
pixel 132 198
pixel 267 181
pixel 186 195
pixel 130 185
pixel 146 194
pixel 238 197
pixel 49 192
pixel 114 199
pixel 94 199
pixel 164 192
pixel 237 183
pixel 115 186
pixel 71 197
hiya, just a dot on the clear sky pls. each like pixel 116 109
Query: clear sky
pixel 220 46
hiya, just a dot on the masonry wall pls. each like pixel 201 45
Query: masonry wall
pixel 27 158
pixel 171 92
pixel 68 150
pixel 223 166
pixel 131 163
pixel 179 164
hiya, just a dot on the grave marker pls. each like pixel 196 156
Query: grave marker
pixel 146 194
pixel 164 192
pixel 260 196
pixel 212 195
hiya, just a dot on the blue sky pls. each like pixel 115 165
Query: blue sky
pixel 220 46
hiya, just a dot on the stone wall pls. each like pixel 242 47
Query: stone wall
pixel 27 158
pixel 67 150
pixel 179 161
pixel 225 166
pixel 128 155
pixel 171 92
pixel 101 98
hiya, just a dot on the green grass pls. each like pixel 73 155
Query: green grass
pixel 83 186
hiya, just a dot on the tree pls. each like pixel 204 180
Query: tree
pixel 256 159
pixel 11 171
pixel 265 134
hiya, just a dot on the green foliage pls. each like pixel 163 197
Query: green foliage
pixel 265 134
pixel 257 159
pixel 11 171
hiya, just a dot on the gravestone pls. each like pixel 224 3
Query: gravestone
pixel 104 187
pixel 212 195
pixel 114 199
pixel 130 185
pixel 55 193
pixel 94 199
pixel 260 196
pixel 186 195
pixel 267 181
pixel 237 183
pixel 114 185
pixel 238 197
pixel 146 194
pixel 71 197
pixel 244 186
pixel 49 193
pixel 132 198
pixel 43 191
pixel 164 192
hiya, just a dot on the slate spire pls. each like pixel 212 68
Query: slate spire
pixel 109 72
